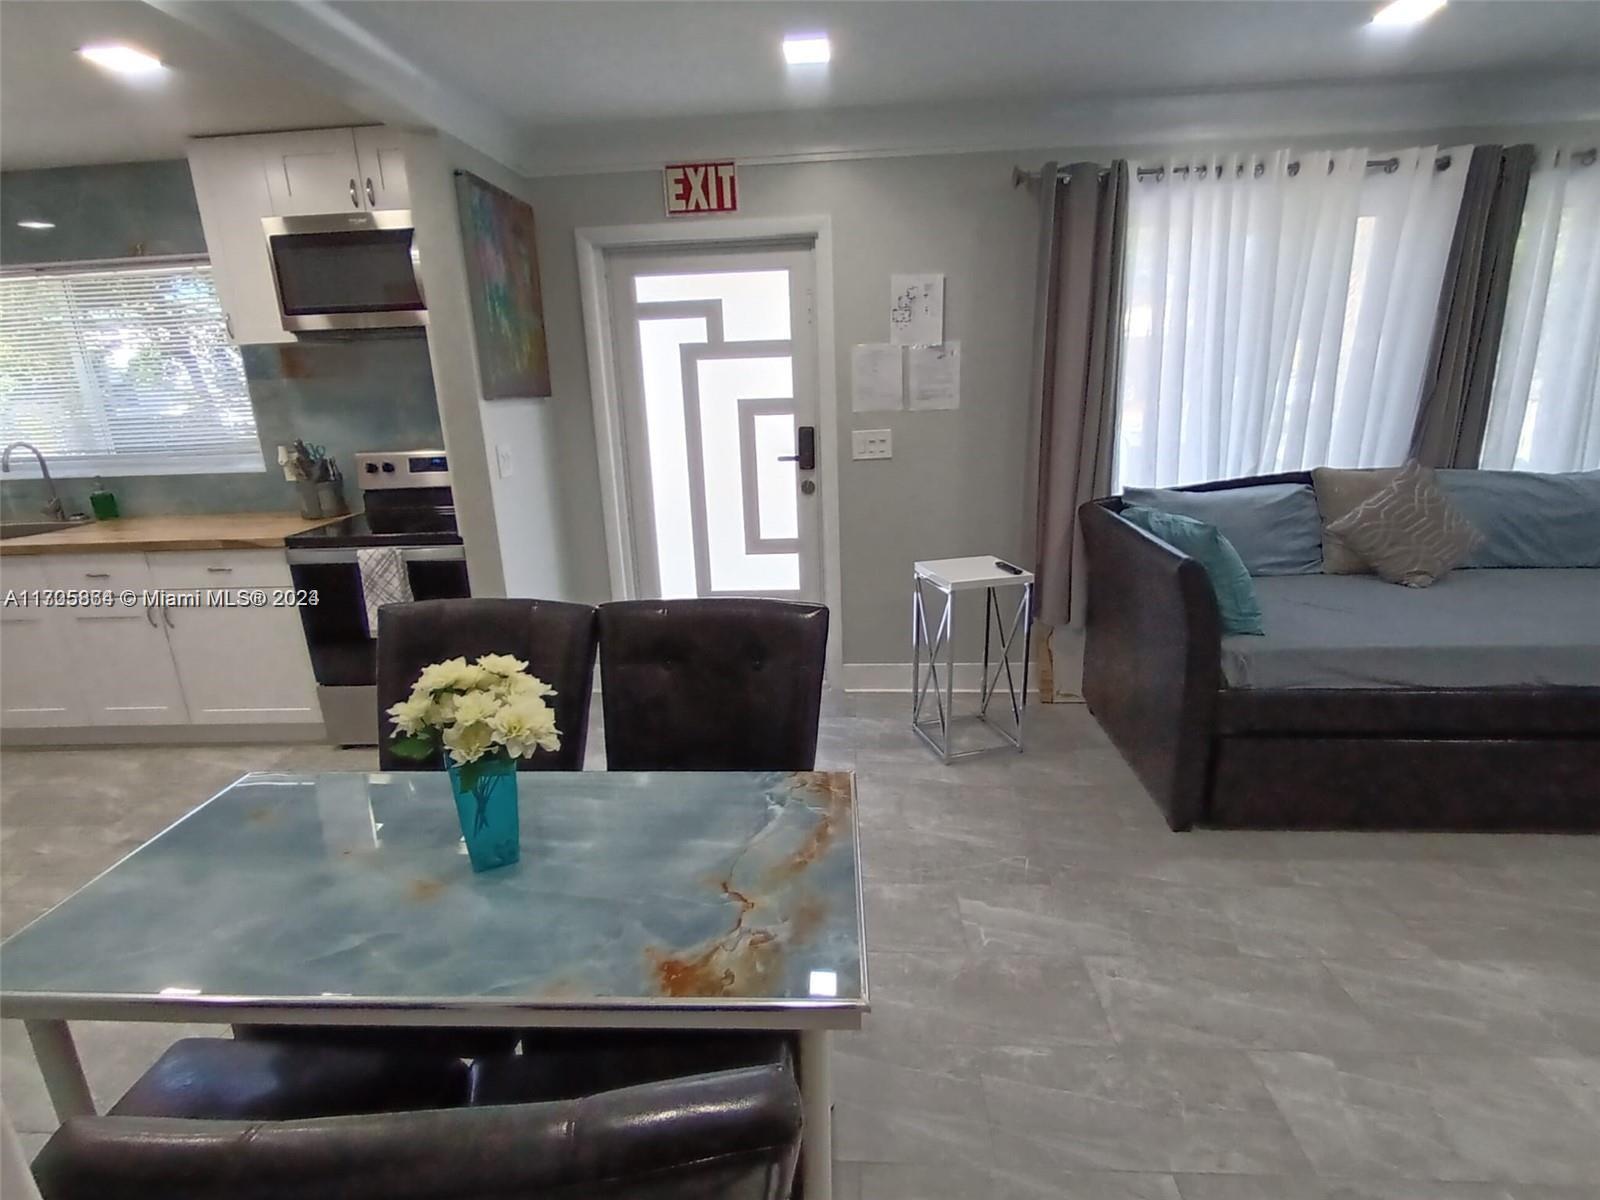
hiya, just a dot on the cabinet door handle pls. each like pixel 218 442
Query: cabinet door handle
pixel 372 199
pixel 219 570
pixel 227 324
pixel 166 616
pixel 355 200
pixel 97 575
pixel 150 615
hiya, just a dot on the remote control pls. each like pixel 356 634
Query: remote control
pixel 1007 567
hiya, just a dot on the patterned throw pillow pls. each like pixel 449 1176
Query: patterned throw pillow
pixel 1408 531
pixel 1339 491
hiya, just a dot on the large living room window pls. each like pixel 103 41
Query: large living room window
pixel 1545 411
pixel 1278 310
pixel 123 370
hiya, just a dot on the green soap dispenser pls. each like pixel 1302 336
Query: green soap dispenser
pixel 103 502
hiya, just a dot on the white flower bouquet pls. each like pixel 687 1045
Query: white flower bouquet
pixel 487 709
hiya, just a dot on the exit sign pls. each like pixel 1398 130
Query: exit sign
pixel 708 187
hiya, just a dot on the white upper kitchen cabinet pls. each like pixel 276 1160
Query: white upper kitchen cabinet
pixel 381 155
pixel 230 184
pixel 307 173
pixel 313 172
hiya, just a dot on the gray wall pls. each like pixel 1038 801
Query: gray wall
pixel 954 485
pixel 374 392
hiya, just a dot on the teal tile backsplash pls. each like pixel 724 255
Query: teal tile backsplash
pixel 361 392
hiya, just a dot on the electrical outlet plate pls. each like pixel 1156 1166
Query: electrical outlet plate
pixel 871 443
pixel 503 463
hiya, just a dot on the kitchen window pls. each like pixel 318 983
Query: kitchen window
pixel 123 369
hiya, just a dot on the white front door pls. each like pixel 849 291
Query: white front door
pixel 717 366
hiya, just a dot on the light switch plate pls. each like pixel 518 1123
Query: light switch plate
pixel 871 443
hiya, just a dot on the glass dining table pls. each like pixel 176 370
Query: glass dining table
pixel 670 900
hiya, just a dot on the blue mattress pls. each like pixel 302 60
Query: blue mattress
pixel 1472 629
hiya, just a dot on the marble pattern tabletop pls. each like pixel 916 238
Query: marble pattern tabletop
pixel 681 889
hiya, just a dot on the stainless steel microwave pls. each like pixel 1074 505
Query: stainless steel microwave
pixel 346 270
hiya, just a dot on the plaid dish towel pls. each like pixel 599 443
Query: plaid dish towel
pixel 383 581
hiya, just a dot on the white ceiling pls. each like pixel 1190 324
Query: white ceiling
pixel 566 63
pixel 56 109
pixel 570 85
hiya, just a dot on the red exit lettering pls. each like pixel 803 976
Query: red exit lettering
pixel 708 187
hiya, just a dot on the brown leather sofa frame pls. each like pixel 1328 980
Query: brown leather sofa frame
pixel 1337 758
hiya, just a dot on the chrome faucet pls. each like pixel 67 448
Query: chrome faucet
pixel 53 509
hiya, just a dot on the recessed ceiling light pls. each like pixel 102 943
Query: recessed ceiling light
pixel 806 49
pixel 1407 12
pixel 36 224
pixel 124 60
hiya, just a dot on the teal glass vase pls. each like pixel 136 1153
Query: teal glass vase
pixel 486 802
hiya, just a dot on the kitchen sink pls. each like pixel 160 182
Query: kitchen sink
pixel 16 529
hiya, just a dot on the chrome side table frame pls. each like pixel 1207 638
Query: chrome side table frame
pixel 932 678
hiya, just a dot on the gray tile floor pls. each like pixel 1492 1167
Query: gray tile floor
pixel 1071 1001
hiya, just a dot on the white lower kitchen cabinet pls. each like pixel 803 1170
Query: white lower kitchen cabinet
pixel 37 689
pixel 243 665
pixel 117 653
pixel 166 660
pixel 124 667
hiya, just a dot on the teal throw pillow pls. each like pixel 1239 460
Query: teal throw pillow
pixel 1203 542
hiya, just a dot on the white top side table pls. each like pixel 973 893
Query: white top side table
pixel 949 576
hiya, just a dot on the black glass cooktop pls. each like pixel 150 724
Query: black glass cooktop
pixel 412 527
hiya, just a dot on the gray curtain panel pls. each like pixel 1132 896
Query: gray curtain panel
pixel 1472 306
pixel 1076 370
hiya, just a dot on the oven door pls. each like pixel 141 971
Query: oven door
pixel 346 271
pixel 343 653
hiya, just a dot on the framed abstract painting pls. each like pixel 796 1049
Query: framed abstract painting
pixel 503 280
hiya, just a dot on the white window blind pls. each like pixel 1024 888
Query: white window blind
pixel 123 370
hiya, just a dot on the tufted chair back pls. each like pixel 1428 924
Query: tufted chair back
pixel 556 640
pixel 712 685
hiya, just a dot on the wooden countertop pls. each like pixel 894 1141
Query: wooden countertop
pixel 224 531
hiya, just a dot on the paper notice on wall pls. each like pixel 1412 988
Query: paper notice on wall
pixel 916 310
pixel 877 378
pixel 933 375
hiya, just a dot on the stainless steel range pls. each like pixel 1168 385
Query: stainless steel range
pixel 408 506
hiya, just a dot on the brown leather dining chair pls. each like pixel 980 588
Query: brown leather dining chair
pixel 556 640
pixel 726 684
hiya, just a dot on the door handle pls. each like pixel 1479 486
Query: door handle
pixel 355 200
pixel 166 616
pixel 805 455
pixel 150 615
pixel 372 199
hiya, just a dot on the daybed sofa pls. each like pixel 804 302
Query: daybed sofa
pixel 1471 704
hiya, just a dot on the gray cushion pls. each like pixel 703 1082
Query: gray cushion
pixel 1528 519
pixel 1275 527
pixel 1408 531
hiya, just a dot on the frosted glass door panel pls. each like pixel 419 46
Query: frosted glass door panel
pixel 755 304
pixel 777 507
pixel 722 384
pixel 660 345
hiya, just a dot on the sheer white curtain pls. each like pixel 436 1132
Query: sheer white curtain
pixel 1544 412
pixel 1278 310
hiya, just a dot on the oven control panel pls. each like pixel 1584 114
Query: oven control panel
pixel 402 469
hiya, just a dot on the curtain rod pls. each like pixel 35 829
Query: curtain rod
pixel 1019 177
